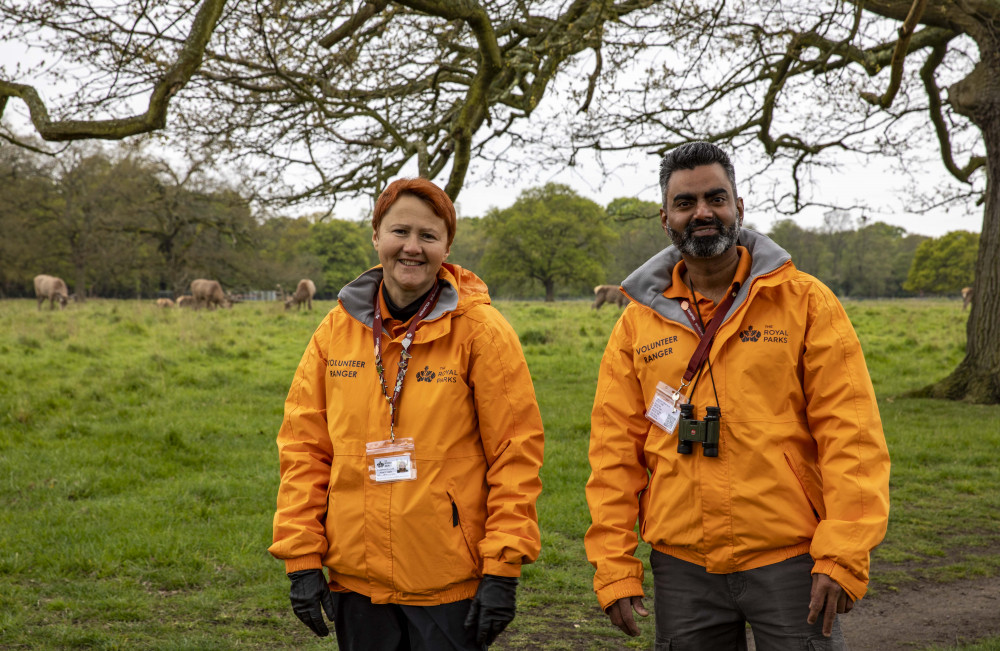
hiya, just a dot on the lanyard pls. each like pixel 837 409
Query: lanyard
pixel 404 356
pixel 707 333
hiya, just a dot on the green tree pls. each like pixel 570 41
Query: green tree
pixel 872 261
pixel 79 218
pixel 282 255
pixel 806 246
pixel 65 216
pixel 903 260
pixel 869 260
pixel 640 236
pixel 944 265
pixel 344 249
pixel 551 236
pixel 470 243
pixel 195 223
pixel 26 190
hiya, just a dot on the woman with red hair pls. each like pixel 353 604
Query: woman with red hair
pixel 416 491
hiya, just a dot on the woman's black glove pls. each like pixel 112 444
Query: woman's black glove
pixel 310 591
pixel 492 608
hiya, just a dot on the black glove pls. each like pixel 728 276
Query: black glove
pixel 492 608
pixel 310 591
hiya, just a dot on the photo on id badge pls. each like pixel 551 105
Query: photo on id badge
pixel 391 460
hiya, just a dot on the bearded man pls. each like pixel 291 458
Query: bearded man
pixel 735 421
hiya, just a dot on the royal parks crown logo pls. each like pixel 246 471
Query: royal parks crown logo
pixel 768 334
pixel 425 375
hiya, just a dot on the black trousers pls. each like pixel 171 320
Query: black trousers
pixel 361 625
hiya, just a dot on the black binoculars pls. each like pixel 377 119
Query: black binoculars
pixel 705 431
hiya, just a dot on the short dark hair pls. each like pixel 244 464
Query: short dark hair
pixel 691 155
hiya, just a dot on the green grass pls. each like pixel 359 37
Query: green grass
pixel 138 471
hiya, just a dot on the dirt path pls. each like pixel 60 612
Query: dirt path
pixel 925 613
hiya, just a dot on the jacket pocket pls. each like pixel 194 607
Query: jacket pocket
pixel 812 492
pixel 459 523
pixel 429 552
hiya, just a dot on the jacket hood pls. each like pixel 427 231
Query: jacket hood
pixel 461 290
pixel 646 284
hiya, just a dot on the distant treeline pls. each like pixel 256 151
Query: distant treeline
pixel 125 224
pixel 867 260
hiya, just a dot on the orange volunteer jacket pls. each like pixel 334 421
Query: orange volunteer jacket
pixel 469 405
pixel 803 464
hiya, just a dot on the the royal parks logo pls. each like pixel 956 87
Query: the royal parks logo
pixel 425 375
pixel 769 334
pixel 448 375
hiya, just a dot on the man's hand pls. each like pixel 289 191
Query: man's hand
pixel 310 596
pixel 620 613
pixel 827 596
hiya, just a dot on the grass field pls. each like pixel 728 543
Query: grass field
pixel 138 471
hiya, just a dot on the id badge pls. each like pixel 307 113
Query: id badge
pixel 665 409
pixel 390 461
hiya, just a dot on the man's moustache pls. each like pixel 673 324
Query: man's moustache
pixel 715 222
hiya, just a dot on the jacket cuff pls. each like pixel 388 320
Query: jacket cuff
pixel 854 587
pixel 307 562
pixel 499 568
pixel 609 594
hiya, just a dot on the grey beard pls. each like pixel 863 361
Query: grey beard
pixel 707 246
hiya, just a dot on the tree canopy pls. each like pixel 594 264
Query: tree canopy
pixel 551 236
pixel 123 223
pixel 867 261
pixel 640 236
pixel 944 264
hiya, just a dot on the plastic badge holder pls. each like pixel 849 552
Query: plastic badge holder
pixel 665 411
pixel 390 461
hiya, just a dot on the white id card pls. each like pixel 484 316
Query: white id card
pixel 391 460
pixel 665 409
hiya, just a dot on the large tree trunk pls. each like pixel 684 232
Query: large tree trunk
pixel 977 378
pixel 550 291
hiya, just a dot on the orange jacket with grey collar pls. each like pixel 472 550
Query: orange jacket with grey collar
pixel 469 405
pixel 803 465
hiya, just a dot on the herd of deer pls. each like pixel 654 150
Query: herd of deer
pixel 204 293
pixel 208 293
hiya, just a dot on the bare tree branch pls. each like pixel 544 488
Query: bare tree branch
pixel 176 77
pixel 937 119
pixel 899 56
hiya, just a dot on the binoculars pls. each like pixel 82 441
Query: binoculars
pixel 704 431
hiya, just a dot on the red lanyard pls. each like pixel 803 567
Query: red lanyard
pixel 404 356
pixel 707 333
